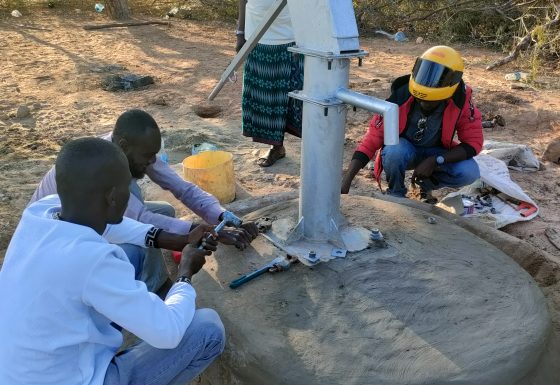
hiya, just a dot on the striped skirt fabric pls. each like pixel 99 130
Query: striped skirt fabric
pixel 270 72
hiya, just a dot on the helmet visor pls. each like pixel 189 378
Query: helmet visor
pixel 434 75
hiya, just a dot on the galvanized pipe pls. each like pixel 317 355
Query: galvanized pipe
pixel 390 112
pixel 322 147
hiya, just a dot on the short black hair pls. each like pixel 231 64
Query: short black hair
pixel 134 123
pixel 88 165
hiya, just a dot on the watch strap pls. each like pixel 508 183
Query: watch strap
pixel 184 279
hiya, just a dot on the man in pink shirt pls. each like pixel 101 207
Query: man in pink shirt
pixel 138 135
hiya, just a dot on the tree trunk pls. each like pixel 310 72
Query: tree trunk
pixel 118 9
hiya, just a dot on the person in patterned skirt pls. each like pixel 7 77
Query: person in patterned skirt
pixel 270 72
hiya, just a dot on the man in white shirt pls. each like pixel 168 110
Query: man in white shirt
pixel 64 287
pixel 138 135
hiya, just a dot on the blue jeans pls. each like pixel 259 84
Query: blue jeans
pixel 148 263
pixel 203 341
pixel 406 156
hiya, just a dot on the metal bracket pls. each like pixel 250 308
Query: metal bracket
pixel 328 55
pixel 297 233
pixel 338 253
pixel 329 102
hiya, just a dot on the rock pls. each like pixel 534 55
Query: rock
pixel 23 112
pixel 552 152
pixel 160 100
pixel 36 106
pixel 126 82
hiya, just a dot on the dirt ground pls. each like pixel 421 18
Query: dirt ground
pixel 53 66
pixel 50 64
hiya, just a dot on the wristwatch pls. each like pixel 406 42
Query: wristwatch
pixel 440 160
pixel 185 279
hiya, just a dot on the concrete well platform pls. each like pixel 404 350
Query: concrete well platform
pixel 438 306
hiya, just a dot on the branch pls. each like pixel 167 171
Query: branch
pixel 89 27
pixel 524 44
pixel 454 5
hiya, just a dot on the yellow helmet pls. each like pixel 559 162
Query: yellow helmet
pixel 436 74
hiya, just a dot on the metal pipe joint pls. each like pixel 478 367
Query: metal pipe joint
pixel 389 111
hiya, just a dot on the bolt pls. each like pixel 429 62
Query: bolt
pixel 376 235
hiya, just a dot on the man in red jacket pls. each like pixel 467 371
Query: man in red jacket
pixel 434 105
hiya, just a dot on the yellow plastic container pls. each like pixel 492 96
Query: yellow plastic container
pixel 213 172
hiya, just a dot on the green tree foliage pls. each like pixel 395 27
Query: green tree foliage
pixel 498 23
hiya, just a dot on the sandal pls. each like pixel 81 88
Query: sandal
pixel 271 156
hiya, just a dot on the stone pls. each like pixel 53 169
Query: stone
pixel 437 306
pixel 23 112
pixel 126 82
pixel 160 100
pixel 552 152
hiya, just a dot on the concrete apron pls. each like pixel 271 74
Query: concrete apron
pixel 438 306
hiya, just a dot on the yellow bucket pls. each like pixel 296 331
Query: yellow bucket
pixel 212 171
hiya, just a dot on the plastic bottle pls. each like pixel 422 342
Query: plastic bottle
pixel 400 37
pixel 201 147
pixel 517 76
pixel 162 153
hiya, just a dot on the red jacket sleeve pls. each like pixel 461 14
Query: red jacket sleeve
pixel 373 140
pixel 469 126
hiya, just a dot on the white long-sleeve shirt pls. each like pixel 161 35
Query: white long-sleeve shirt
pixel 279 32
pixel 62 285
pixel 199 201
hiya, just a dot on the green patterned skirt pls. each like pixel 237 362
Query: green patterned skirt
pixel 270 72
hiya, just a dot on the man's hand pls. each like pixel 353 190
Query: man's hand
pixel 251 228
pixel 203 235
pixel 424 170
pixel 239 238
pixel 192 260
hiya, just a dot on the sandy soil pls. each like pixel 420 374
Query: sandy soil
pixel 55 68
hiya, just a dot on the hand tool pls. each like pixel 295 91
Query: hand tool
pixel 525 208
pixel 277 264
pixel 228 218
